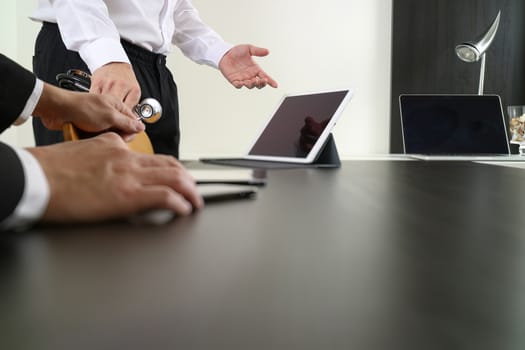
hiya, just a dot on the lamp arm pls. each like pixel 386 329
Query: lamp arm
pixel 482 74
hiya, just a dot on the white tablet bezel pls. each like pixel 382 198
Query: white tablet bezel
pixel 312 155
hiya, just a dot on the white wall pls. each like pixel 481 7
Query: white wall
pixel 314 45
pixel 8 47
pixel 18 37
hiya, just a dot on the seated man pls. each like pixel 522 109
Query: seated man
pixel 84 181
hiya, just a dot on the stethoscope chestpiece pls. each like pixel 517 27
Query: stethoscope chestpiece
pixel 148 110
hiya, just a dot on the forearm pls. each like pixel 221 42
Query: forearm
pixel 54 103
pixel 197 40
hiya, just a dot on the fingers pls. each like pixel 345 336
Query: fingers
pixel 122 90
pixel 164 189
pixel 117 79
pixel 159 197
pixel 254 78
pixel 128 137
pixel 250 83
pixel 132 98
pixel 261 79
pixel 158 160
pixel 126 121
pixel 267 79
pixel 96 113
pixel 158 170
pixel 258 80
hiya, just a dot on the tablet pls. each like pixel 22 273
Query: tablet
pixel 297 129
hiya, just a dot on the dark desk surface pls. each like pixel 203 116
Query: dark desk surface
pixel 375 255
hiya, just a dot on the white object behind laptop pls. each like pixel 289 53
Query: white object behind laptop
pixel 279 139
pixel 454 127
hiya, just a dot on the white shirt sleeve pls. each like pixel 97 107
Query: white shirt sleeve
pixel 85 27
pixel 94 28
pixel 35 197
pixel 31 102
pixel 195 39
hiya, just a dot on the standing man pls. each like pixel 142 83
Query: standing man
pixel 124 43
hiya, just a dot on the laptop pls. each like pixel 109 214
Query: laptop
pixel 454 127
pixel 296 133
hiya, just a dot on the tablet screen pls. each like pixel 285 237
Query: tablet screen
pixel 299 123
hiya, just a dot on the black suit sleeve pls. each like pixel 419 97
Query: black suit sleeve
pixel 16 85
pixel 12 181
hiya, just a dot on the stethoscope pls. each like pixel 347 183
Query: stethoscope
pixel 148 110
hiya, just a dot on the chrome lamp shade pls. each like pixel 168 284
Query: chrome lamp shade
pixel 473 51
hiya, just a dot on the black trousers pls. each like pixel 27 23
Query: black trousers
pixel 51 58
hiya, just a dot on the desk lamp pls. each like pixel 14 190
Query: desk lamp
pixel 473 51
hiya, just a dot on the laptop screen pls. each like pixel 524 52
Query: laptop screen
pixel 453 124
pixel 297 124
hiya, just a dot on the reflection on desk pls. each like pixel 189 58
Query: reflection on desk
pixel 375 255
pixel 520 165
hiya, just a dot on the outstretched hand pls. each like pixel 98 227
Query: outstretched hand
pixel 238 66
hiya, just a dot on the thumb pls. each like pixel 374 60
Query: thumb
pixel 126 120
pixel 258 51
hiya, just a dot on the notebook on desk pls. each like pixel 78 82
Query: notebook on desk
pixel 298 132
pixel 454 127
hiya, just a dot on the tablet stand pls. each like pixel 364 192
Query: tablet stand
pixel 328 156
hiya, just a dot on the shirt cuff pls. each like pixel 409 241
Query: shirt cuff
pixel 217 52
pixel 31 102
pixel 101 52
pixel 35 197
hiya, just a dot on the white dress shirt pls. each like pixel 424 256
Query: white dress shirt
pixel 35 197
pixel 93 28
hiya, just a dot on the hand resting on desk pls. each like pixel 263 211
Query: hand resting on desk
pixel 101 179
pixel 210 192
